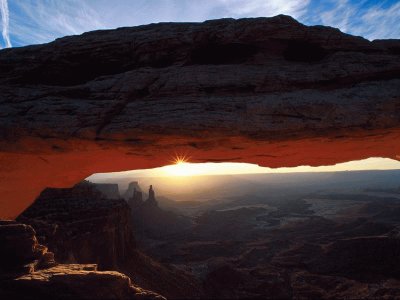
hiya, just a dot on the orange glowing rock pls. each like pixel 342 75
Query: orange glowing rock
pixel 268 91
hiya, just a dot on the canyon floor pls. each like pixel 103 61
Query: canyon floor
pixel 314 241
pixel 324 244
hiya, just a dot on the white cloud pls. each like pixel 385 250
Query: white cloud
pixel 5 22
pixel 39 21
pixel 43 21
pixel 265 8
pixel 379 21
pixel 340 16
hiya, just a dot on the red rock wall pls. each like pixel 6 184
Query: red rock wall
pixel 269 91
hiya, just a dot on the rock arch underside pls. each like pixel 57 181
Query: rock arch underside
pixel 269 91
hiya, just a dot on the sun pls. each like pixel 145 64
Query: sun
pixel 180 167
pixel 181 159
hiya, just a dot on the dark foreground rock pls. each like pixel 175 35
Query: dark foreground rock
pixel 81 225
pixel 28 271
pixel 74 281
pixel 20 252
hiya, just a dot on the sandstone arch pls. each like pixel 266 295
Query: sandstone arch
pixel 222 90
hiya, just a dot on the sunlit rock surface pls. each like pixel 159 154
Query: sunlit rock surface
pixel 29 271
pixel 267 90
pixel 74 281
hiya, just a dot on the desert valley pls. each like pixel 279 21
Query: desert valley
pixel 295 235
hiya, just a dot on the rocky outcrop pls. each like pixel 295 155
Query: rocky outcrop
pixel 80 225
pixel 152 197
pixel 152 222
pixel 132 187
pixel 20 252
pixel 136 199
pixel 269 91
pixel 28 271
pixel 74 281
pixel 109 190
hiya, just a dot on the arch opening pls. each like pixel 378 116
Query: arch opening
pixel 63 163
pixel 230 217
pixel 178 179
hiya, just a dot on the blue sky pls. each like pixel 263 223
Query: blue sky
pixel 26 22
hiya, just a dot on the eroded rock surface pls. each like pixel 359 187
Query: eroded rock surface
pixel 28 271
pixel 109 190
pixel 74 281
pixel 80 225
pixel 267 78
pixel 20 251
pixel 280 247
pixel 267 90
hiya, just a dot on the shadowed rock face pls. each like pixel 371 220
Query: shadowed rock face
pixel 109 190
pixel 28 271
pixel 20 251
pixel 80 225
pixel 268 90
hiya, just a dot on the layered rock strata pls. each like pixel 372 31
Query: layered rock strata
pixel 269 91
pixel 80 225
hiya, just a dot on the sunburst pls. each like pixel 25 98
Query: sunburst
pixel 180 166
pixel 180 159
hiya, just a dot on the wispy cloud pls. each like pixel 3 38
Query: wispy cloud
pixel 5 21
pixel 39 21
pixel 258 8
pixel 370 19
pixel 380 23
pixel 340 16
pixel 44 20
